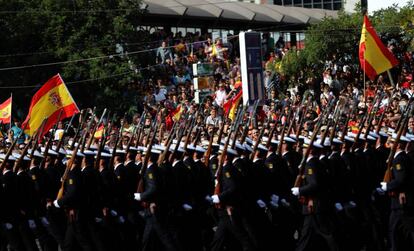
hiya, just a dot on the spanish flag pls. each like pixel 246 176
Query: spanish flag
pixel 5 111
pixel 176 114
pixel 230 106
pixel 235 103
pixel 374 57
pixel 99 132
pixel 47 103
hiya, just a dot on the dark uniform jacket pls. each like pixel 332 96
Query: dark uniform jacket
pixel 71 198
pixel 312 187
pixel 399 183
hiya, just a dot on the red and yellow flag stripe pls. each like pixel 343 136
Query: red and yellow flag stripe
pixel 47 103
pixel 5 111
pixel 374 57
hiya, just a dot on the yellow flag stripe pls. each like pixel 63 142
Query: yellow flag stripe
pixel 44 106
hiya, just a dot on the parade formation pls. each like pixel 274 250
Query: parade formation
pixel 241 163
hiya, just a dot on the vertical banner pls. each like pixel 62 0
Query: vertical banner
pixel 251 66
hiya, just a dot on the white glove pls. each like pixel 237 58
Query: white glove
pixel 56 204
pixel 44 221
pixel 32 224
pixel 274 198
pixel 380 191
pixel 8 226
pixel 261 203
pixel 113 213
pixel 273 204
pixel 208 199
pixel 384 186
pixel 295 191
pixel 137 196
pixel 352 203
pixel 187 207
pixel 121 219
pixel 98 220
pixel 339 207
pixel 285 203
pixel 216 199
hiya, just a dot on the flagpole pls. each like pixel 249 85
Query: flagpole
pixel 11 111
pixel 390 77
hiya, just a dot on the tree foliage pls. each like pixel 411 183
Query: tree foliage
pixel 42 31
pixel 340 37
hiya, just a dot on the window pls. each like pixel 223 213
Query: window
pixel 327 6
pixel 317 5
pixel 307 1
pixel 337 6
pixel 298 2
pixel 287 2
pixel 277 2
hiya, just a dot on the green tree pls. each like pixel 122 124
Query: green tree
pixel 340 37
pixel 60 31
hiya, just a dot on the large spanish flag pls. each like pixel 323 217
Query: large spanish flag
pixel 47 103
pixel 374 57
pixel 5 111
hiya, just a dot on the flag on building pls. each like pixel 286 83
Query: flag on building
pixel 47 102
pixel 5 111
pixel 374 57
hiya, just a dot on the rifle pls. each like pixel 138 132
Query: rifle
pixel 82 117
pixel 88 127
pixel 387 175
pixel 10 150
pixel 302 164
pixel 301 121
pixel 65 132
pixel 88 145
pixel 345 129
pixel 35 141
pixel 19 161
pixel 140 187
pixel 246 126
pixel 336 119
pixel 210 145
pixel 221 163
pixel 167 145
pixel 118 136
pixel 239 118
pixel 328 124
pixel 259 138
pixel 189 131
pixel 140 128
pixel 49 141
pixel 381 119
pixel 69 166
pixel 372 114
pixel 282 134
pixel 101 145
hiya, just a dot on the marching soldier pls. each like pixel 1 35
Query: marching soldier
pixel 317 230
pixel 402 201
pixel 71 199
pixel 229 211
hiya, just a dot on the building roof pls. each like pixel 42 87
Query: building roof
pixel 235 11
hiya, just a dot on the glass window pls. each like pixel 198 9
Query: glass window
pixel 317 1
pixel 327 6
pixel 307 5
pixel 307 1
pixel 317 5
pixel 298 2
pixel 277 2
pixel 287 2
pixel 337 6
